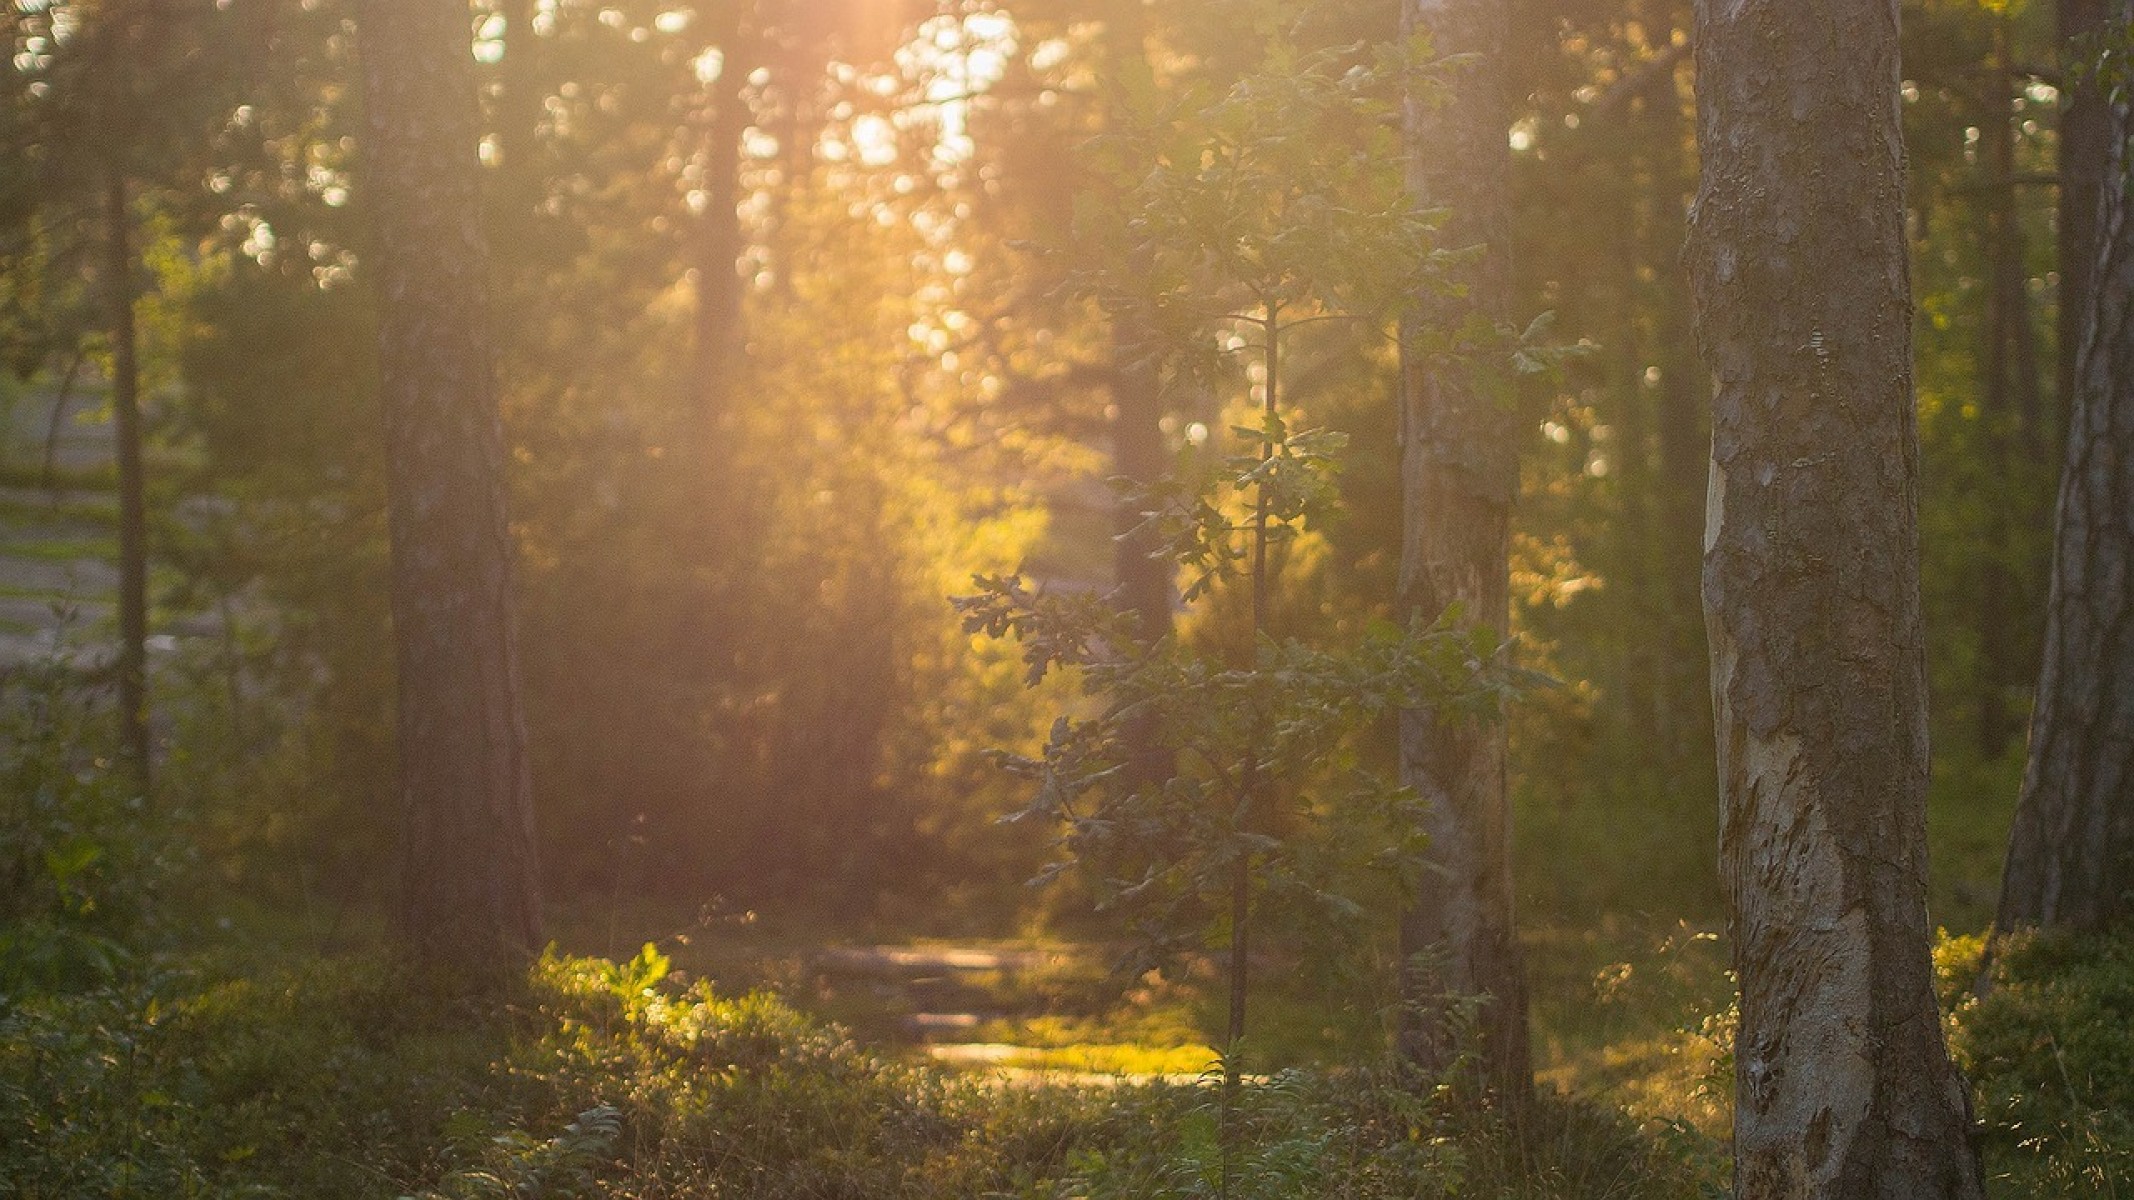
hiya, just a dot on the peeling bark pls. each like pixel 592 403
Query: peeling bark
pixel 2071 853
pixel 1460 467
pixel 1811 583
pixel 469 895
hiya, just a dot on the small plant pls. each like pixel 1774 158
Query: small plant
pixel 563 1167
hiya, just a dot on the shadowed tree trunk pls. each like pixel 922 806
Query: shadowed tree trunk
pixel 469 894
pixel 1684 438
pixel 2011 410
pixel 2071 853
pixel 719 242
pixel 1147 580
pixel 1459 469
pixel 2084 145
pixel 1843 1087
pixel 133 491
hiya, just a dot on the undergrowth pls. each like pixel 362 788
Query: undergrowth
pixel 338 1078
pixel 2047 1038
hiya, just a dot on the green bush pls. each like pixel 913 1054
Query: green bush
pixel 77 859
pixel 2048 1041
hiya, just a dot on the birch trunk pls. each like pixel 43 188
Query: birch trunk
pixel 1843 1087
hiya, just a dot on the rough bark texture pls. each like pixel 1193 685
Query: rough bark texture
pixel 1811 581
pixel 2071 854
pixel 133 489
pixel 2085 142
pixel 469 885
pixel 1459 466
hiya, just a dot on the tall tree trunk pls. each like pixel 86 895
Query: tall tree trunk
pixel 469 891
pixel 1843 1087
pixel 719 242
pixel 2010 412
pixel 133 491
pixel 2085 144
pixel 2071 854
pixel 1145 579
pixel 1459 470
pixel 1684 438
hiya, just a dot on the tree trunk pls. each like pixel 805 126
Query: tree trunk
pixel 2071 854
pixel 133 491
pixel 2084 146
pixel 469 894
pixel 1147 579
pixel 1843 1087
pixel 719 242
pixel 1459 470
pixel 1685 438
pixel 2010 410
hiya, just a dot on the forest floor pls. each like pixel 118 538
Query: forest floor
pixel 1630 1010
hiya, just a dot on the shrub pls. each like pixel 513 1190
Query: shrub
pixel 2048 1042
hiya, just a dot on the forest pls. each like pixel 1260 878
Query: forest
pixel 1045 599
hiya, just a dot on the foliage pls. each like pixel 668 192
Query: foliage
pixel 2047 1038
pixel 561 1168
pixel 321 1079
pixel 79 861
pixel 1253 744
pixel 328 1079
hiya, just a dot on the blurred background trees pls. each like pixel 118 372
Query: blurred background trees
pixel 785 357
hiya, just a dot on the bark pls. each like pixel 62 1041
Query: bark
pixel 719 340
pixel 1685 438
pixel 1797 251
pixel 1147 580
pixel 469 894
pixel 2071 853
pixel 2085 142
pixel 2011 409
pixel 1459 468
pixel 133 492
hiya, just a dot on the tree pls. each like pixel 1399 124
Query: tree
pixel 469 889
pixel 1460 469
pixel 1843 1083
pixel 133 491
pixel 2084 128
pixel 106 102
pixel 2071 853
